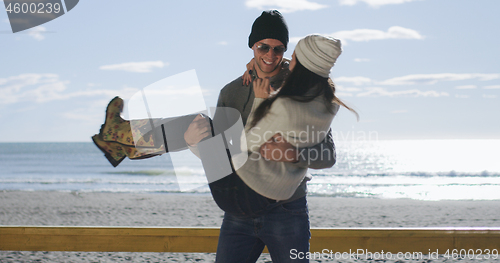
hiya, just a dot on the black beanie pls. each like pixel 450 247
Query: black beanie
pixel 270 24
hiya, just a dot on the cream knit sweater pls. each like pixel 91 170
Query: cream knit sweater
pixel 301 124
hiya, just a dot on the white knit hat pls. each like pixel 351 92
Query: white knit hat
pixel 318 53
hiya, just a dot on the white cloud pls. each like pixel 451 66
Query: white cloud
pixel 98 92
pixel 343 94
pixel 374 3
pixel 33 87
pixel 354 80
pixel 127 92
pixel 413 79
pixel 284 6
pixel 488 96
pixel 394 32
pixel 37 33
pixel 92 112
pixel 461 96
pixel 139 67
pixel 466 87
pixel 82 115
pixel 44 88
pixel 434 78
pixel 376 92
pixel 346 89
pixel 361 60
pixel 341 91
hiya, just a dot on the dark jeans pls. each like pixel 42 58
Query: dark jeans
pixel 285 230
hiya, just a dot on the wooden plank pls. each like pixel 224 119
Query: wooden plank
pixel 164 239
pixel 424 240
pixel 133 239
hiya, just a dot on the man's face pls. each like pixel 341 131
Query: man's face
pixel 268 63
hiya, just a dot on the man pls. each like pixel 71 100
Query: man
pixel 286 227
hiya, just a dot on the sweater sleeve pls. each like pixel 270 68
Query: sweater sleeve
pixel 321 155
pixel 274 122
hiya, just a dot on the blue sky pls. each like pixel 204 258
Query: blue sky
pixel 413 69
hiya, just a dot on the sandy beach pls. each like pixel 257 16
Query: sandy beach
pixel 191 210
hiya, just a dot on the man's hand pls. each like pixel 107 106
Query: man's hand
pixel 197 130
pixel 279 150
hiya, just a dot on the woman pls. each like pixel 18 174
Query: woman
pixel 300 113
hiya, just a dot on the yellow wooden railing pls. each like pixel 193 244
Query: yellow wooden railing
pixel 165 239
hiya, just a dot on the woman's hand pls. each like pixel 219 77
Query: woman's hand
pixel 262 88
pixel 247 76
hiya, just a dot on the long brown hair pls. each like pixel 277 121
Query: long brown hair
pixel 304 86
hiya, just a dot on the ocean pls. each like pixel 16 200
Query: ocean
pixel 412 169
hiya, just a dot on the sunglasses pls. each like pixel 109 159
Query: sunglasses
pixel 264 48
